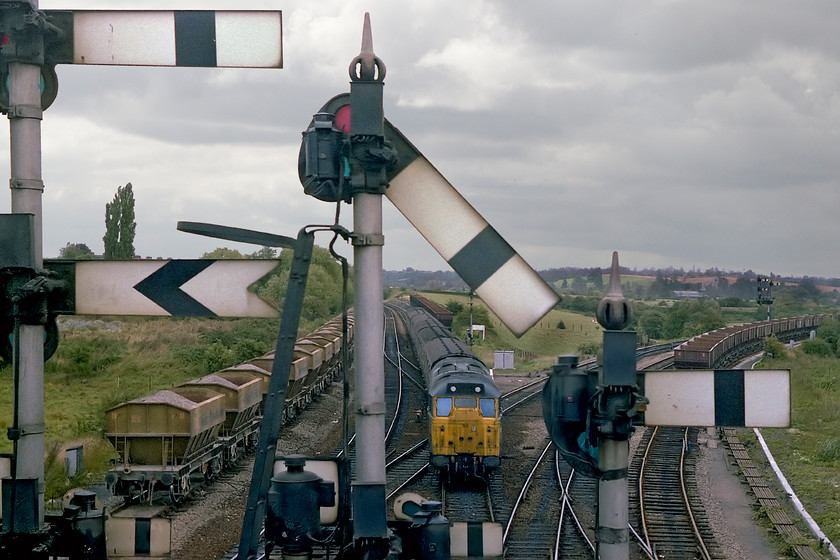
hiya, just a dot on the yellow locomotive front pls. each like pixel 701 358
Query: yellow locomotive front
pixel 465 428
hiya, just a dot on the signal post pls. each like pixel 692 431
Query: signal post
pixel 615 404
pixel 32 295
pixel 590 416
pixel 367 183
pixel 25 113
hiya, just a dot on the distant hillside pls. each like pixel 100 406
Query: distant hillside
pixel 654 283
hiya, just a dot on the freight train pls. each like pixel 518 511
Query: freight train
pixel 722 347
pixel 176 438
pixel 463 400
pixel 435 309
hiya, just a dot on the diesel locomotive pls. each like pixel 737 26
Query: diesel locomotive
pixel 463 400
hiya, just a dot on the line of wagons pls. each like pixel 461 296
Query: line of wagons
pixel 179 437
pixel 722 347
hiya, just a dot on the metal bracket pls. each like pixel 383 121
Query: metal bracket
pixel 27 430
pixel 372 409
pixel 367 239
pixel 25 112
pixel 30 184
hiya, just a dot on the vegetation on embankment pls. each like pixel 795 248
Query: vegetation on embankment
pixel 100 363
pixel 809 451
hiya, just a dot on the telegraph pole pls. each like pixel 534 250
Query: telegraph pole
pixel 368 181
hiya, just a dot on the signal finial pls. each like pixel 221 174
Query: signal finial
pixel 367 66
pixel 613 311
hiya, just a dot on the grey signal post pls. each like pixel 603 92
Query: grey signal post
pixel 34 41
pixel 755 398
pixel 27 187
pixel 368 181
pixel 615 407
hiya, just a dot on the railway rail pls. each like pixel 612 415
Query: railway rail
pixel 559 531
pixel 671 523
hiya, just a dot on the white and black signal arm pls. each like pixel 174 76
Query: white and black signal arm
pixel 188 38
pixel 472 247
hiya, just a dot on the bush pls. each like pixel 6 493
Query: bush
pixel 817 347
pixel 773 348
pixel 589 348
pixel 561 325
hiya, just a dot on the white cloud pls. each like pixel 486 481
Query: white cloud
pixel 670 131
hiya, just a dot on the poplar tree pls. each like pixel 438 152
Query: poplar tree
pixel 120 225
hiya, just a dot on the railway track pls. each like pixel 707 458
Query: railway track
pixel 669 514
pixel 555 516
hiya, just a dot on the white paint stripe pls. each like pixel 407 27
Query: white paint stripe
pixel 249 39
pixel 434 207
pixel 221 288
pixel 680 398
pixel 687 398
pixel 124 38
pixel 107 288
pixel 767 398
pixel 800 508
pixel 244 39
pixel 518 295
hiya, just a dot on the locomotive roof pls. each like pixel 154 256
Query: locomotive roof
pixel 464 381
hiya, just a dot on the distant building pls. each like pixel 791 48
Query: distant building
pixel 688 294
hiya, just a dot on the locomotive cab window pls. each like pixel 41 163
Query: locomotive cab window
pixel 488 407
pixel 443 406
pixel 464 402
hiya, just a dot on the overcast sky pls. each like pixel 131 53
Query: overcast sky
pixel 685 134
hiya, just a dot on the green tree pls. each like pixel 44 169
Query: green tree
pixel 264 253
pixel 454 306
pixel 120 225
pixel 76 251
pixel 461 321
pixel 829 330
pixel 223 253
pixel 688 318
pixel 322 299
pixel 652 323
pixel 773 348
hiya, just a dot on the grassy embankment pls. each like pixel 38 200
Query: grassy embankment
pixel 101 363
pixel 809 451
pixel 539 347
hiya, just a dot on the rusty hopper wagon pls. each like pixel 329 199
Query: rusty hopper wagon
pixel 174 439
pixel 242 399
pixel 165 435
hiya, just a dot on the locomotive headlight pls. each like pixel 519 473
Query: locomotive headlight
pixel 478 388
